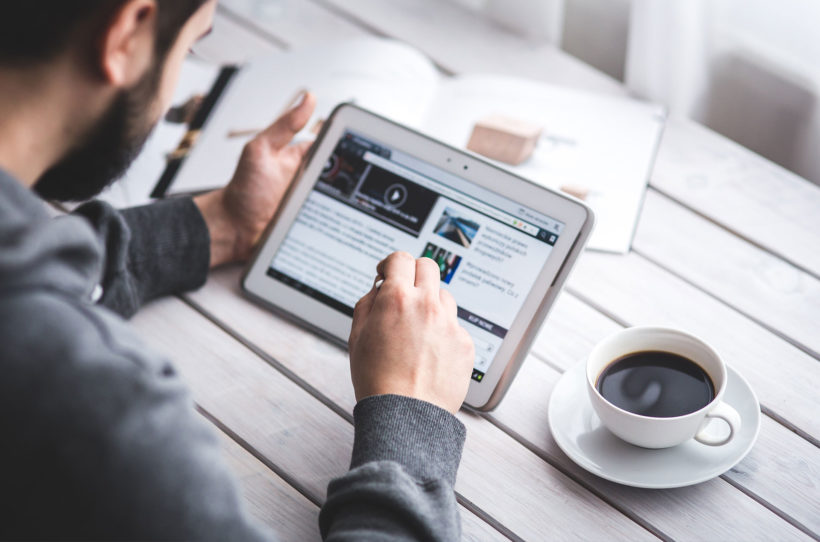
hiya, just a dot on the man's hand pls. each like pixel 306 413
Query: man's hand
pixel 406 339
pixel 237 214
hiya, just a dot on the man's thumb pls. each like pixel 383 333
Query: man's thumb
pixel 281 132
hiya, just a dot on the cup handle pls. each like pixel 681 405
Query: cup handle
pixel 728 415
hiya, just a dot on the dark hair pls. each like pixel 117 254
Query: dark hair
pixel 34 31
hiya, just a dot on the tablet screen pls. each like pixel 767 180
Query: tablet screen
pixel 371 200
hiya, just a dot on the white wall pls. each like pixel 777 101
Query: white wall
pixel 596 31
pixel 746 68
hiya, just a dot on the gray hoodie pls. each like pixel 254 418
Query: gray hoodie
pixel 100 436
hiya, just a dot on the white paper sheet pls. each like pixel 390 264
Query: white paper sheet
pixel 602 143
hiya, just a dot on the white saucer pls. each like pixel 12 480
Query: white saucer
pixel 579 433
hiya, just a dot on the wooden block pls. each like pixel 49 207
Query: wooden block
pixel 505 139
pixel 580 192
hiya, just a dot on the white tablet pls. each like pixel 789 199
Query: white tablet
pixel 370 187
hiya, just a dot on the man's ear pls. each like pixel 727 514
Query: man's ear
pixel 127 46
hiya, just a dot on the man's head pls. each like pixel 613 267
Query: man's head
pixel 125 55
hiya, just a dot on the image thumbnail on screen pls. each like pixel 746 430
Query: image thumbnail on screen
pixel 456 228
pixel 446 260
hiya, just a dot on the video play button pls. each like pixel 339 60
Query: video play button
pixel 395 196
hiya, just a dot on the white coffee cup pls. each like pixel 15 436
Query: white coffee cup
pixel 652 432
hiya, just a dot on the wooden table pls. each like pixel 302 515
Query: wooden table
pixel 728 246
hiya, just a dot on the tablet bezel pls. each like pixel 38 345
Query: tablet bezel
pixel 576 217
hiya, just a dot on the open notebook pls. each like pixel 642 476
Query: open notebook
pixel 604 144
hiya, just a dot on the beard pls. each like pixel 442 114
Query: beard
pixel 107 150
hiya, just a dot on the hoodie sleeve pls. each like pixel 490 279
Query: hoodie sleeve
pixel 150 251
pixel 406 454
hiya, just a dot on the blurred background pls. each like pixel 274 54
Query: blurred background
pixel 748 69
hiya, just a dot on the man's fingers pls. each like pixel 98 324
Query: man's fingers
pixel 428 274
pixel 448 302
pixel 279 134
pixel 398 268
pixel 303 147
pixel 361 311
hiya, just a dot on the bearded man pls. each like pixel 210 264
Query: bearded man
pixel 100 437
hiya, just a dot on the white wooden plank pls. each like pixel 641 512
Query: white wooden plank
pixel 292 23
pixel 782 469
pixel 713 510
pixel 474 529
pixel 290 427
pixel 537 498
pixel 269 499
pixel 570 332
pixel 763 286
pixel 289 514
pixel 639 292
pixel 741 190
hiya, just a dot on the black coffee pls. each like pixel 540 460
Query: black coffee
pixel 656 384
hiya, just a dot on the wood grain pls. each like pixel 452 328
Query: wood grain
pixel 742 191
pixel 290 515
pixel 767 288
pixel 290 427
pixel 536 496
pixel 269 499
pixel 572 329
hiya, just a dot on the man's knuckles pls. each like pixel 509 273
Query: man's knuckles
pixel 396 297
pixel 446 297
pixel 401 256
pixel 255 150
pixel 431 309
pixel 398 259
pixel 427 265
pixel 465 342
pixel 361 305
